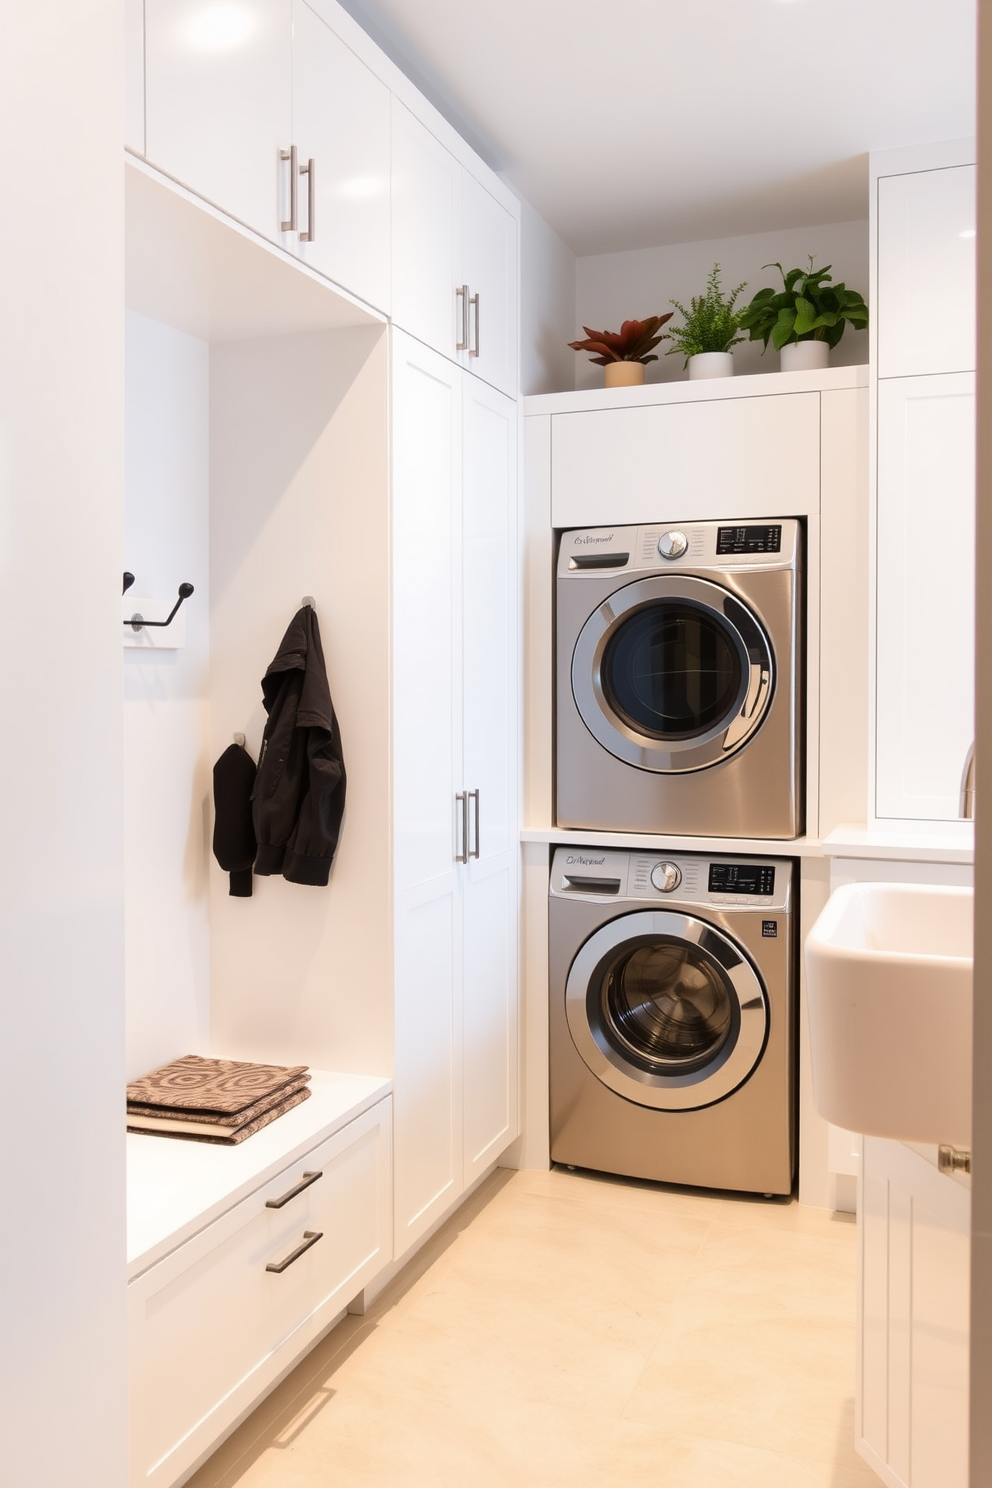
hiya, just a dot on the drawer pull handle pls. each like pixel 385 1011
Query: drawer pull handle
pixel 310 1237
pixel 304 1182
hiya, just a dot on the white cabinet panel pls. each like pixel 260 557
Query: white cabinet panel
pixel 218 101
pixel 925 594
pixel 743 457
pixel 489 267
pixel 939 1428
pixel 134 76
pixel 426 223
pixel 926 254
pixel 341 122
pixel 210 1327
pixel 489 997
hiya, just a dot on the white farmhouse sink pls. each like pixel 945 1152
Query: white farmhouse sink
pixel 889 974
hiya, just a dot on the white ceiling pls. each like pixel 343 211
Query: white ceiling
pixel 637 123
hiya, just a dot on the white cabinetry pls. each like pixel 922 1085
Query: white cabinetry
pixel 454 802
pixel 341 123
pixel 216 1320
pixel 924 480
pixel 454 257
pixel 219 102
pixel 914 1251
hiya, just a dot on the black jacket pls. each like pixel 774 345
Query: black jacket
pixel 298 800
pixel 234 830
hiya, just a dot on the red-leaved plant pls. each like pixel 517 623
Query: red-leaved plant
pixel 632 343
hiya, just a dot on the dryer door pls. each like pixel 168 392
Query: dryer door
pixel 666 1010
pixel 672 673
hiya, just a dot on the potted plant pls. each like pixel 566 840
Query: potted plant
pixel 623 354
pixel 711 329
pixel 805 318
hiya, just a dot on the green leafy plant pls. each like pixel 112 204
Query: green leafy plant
pixel 711 322
pixel 807 308
pixel 632 343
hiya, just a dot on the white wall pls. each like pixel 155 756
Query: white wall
pixel 62 1255
pixel 613 287
pixel 166 696
pixel 547 306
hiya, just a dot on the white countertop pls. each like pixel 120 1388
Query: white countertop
pixel 923 842
pixel 175 1188
pixel 681 390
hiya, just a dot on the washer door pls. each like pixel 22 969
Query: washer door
pixel 672 673
pixel 666 1010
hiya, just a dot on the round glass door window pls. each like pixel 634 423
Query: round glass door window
pixel 672 673
pixel 666 1010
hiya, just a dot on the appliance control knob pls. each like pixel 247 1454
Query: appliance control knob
pixel 672 544
pixel 666 877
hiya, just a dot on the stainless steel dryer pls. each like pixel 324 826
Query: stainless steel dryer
pixel 678 703
pixel 672 1017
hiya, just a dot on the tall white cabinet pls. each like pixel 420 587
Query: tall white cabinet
pixel 454 792
pixel 923 216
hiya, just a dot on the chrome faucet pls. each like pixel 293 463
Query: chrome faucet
pixel 967 807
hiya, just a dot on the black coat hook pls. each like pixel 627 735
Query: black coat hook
pixel 128 581
pixel 136 621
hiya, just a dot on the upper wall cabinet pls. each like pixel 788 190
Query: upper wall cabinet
pixel 926 272
pixel 219 102
pixel 341 131
pixel 454 257
pixel 263 110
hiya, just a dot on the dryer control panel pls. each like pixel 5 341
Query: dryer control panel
pixel 675 878
pixel 679 545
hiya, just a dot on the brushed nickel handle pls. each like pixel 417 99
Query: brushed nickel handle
pixel 461 293
pixel 292 156
pixel 304 1182
pixel 310 235
pixel 954 1159
pixel 310 1237
pixel 462 799
pixel 475 851
pixel 474 352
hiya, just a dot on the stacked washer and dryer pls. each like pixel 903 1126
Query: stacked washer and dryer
pixel 672 974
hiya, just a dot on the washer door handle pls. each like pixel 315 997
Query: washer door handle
pixel 756 689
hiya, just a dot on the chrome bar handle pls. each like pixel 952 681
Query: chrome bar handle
pixel 292 156
pixel 474 301
pixel 310 1237
pixel 954 1159
pixel 311 233
pixel 475 850
pixel 966 806
pixel 461 293
pixel 463 799
pixel 304 1182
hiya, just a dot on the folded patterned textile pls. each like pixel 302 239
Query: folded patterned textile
pixel 166 1118
pixel 196 1088
pixel 225 1136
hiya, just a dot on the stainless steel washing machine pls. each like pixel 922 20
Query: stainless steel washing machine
pixel 672 1017
pixel 678 696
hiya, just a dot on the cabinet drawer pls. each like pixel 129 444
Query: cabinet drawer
pixel 211 1327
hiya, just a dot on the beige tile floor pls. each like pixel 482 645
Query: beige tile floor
pixel 565 1328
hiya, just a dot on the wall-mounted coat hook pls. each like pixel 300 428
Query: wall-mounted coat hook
pixel 308 599
pixel 239 739
pixel 137 622
pixel 128 581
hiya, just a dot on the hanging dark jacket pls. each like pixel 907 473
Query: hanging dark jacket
pixel 298 800
pixel 234 830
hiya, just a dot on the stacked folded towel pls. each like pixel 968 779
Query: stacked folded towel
pixel 213 1100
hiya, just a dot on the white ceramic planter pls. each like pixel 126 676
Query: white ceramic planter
pixel 623 374
pixel 805 356
pixel 711 364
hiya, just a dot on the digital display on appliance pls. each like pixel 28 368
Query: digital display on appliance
pixel 749 539
pixel 741 878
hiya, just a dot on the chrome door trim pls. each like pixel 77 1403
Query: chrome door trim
pixel 682 1092
pixel 747 713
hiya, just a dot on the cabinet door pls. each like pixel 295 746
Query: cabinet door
pixel 490 684
pixel 426 217
pixel 489 267
pixel 926 259
pixel 134 76
pixel 427 824
pixel 218 102
pixel 925 653
pixel 341 122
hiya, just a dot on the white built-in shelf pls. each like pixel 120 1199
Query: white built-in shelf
pixel 191 267
pixel 175 1188
pixel 755 385
pixel 911 842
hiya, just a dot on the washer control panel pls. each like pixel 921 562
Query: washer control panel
pixel 672 544
pixel 695 879
pixel 666 877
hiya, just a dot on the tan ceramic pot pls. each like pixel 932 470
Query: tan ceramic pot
pixel 623 374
